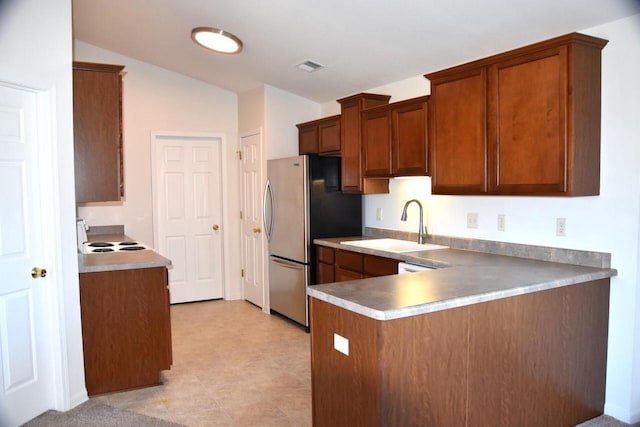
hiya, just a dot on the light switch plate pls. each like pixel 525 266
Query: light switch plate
pixel 341 344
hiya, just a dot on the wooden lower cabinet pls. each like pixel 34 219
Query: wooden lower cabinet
pixel 325 272
pixel 126 328
pixel 339 265
pixel 534 360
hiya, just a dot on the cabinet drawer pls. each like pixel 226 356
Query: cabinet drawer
pixel 325 254
pixel 349 260
pixel 379 266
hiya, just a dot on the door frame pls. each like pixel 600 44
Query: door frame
pixel 264 247
pixel 155 137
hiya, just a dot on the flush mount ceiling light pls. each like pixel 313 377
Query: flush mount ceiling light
pixel 216 40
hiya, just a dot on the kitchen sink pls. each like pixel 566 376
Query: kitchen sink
pixel 393 245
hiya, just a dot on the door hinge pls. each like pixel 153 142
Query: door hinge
pixel 242 272
pixel 239 154
pixel 241 215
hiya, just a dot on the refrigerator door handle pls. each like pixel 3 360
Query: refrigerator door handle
pixel 268 227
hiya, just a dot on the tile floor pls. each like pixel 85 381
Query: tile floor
pixel 233 365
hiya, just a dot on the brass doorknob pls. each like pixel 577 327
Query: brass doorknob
pixel 38 272
pixel 216 227
pixel 257 230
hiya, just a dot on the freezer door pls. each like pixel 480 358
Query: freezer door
pixel 286 208
pixel 288 289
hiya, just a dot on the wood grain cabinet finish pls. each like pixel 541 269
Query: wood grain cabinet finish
pixel 325 260
pixel 97 127
pixel 532 360
pixel 338 265
pixel 353 180
pixel 394 139
pixel 126 328
pixel 525 122
pixel 320 136
pixel 375 266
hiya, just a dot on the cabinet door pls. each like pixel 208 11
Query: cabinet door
pixel 409 140
pixel 324 273
pixel 376 143
pixel 528 123
pixel 351 166
pixel 353 180
pixel 308 139
pixel 329 136
pixel 97 132
pixel 457 123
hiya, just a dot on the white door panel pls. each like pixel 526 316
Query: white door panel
pixel 25 346
pixel 252 233
pixel 188 174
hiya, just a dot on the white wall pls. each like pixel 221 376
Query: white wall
pixel 155 99
pixel 41 59
pixel 251 110
pixel 607 223
pixel 282 111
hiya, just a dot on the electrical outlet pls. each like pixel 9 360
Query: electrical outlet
pixel 502 219
pixel 561 227
pixel 341 344
pixel 472 220
pixel 379 214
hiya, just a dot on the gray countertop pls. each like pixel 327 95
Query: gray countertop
pixel 110 261
pixel 462 278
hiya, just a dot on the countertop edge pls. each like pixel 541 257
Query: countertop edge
pixel 454 302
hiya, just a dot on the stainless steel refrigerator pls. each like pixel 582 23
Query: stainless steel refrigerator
pixel 302 202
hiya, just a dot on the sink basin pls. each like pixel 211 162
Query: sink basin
pixel 393 245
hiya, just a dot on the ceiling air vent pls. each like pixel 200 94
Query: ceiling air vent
pixel 309 66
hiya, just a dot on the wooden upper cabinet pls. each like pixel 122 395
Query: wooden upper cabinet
pixel 329 136
pixel 528 130
pixel 394 139
pixel 320 136
pixel 409 138
pixel 307 138
pixel 457 133
pixel 535 112
pixel 353 180
pixel 97 127
pixel 376 142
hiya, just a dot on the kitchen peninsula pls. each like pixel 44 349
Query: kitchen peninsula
pixel 126 324
pixel 485 339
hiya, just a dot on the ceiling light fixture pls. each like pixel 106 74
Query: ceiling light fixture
pixel 216 40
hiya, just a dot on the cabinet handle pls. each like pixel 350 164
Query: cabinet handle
pixel 38 272
pixel 257 230
pixel 216 227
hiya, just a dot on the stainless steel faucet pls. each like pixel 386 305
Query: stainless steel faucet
pixel 422 230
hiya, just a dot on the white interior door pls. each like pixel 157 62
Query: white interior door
pixel 189 215
pixel 25 347
pixel 251 222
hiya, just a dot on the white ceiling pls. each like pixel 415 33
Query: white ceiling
pixel 362 43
